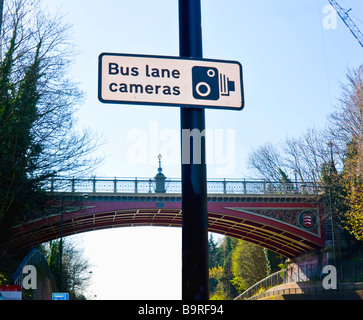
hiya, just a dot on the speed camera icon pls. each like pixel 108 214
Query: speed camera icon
pixel 209 84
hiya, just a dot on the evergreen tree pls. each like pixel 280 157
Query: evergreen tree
pixel 37 102
pixel 18 112
pixel 273 261
pixel 214 252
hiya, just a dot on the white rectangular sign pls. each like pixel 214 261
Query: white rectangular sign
pixel 156 80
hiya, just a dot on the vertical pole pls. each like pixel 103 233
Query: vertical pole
pixel 1 14
pixel 195 277
pixel 61 246
pixel 332 225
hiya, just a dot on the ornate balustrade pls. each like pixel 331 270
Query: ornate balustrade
pixel 144 185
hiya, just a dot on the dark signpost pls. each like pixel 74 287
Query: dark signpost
pixel 195 273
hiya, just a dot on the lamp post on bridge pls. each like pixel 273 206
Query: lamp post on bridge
pixel 295 173
pixel 160 178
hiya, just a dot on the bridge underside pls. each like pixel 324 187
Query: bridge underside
pixel 225 219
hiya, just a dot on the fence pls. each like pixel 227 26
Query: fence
pixel 144 185
pixel 348 273
pixel 34 257
pixel 293 273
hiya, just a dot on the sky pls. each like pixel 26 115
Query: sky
pixel 294 54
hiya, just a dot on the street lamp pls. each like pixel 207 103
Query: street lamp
pixel 295 173
pixel 330 144
pixel 61 244
pixel 1 14
pixel 331 216
pixel 332 165
pixel 85 196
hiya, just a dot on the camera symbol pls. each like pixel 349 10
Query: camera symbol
pixel 209 84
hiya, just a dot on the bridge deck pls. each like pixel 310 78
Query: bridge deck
pixel 269 220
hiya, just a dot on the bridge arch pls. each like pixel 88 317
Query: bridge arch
pixel 286 224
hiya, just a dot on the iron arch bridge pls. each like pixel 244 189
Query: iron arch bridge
pixel 283 217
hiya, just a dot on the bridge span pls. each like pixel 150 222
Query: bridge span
pixel 283 217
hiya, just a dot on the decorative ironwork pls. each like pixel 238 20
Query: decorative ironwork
pixel 306 220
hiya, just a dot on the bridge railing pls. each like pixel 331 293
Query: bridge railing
pixel 349 274
pixel 291 274
pixel 144 185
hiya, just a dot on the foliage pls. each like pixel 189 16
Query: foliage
pixel 217 279
pixel 75 268
pixel 249 264
pixel 3 279
pixel 234 266
pixel 220 269
pixel 214 252
pixel 347 126
pixel 332 157
pixel 353 187
pixel 38 139
pixel 305 156
pixel 273 261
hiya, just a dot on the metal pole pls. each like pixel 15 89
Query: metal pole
pixel 332 225
pixel 1 14
pixel 1 24
pixel 195 272
pixel 61 246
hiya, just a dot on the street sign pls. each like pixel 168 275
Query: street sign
pixel 170 81
pixel 60 296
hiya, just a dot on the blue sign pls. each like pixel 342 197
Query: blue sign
pixel 60 296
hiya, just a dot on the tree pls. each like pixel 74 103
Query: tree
pixel 305 155
pixel 353 187
pixel 248 264
pixel 75 267
pixel 345 122
pixel 274 261
pixel 38 136
pixel 220 270
pixel 214 252
pixel 346 126
pixel 217 278
pixel 315 159
pixel 267 161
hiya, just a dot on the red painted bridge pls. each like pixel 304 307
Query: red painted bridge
pixel 282 217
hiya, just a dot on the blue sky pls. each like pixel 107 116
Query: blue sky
pixel 293 68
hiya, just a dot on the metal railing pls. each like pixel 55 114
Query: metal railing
pixel 294 273
pixel 144 185
pixel 34 257
pixel 349 273
pixel 313 289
